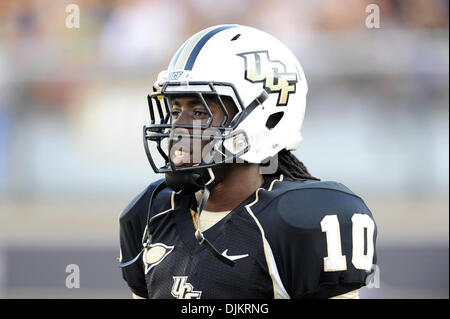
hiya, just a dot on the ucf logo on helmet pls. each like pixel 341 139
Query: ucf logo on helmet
pixel 260 68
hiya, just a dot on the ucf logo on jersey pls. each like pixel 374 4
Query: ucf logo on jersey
pixel 181 289
pixel 260 68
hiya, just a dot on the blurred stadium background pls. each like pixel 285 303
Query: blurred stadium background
pixel 73 102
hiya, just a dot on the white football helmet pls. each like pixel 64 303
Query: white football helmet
pixel 256 71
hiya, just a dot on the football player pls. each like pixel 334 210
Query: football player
pixel 237 215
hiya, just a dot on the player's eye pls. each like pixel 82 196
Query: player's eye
pixel 175 114
pixel 199 114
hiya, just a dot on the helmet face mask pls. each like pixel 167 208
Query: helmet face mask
pixel 200 138
pixel 259 91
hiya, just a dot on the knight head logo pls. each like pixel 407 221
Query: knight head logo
pixel 272 73
pixel 154 254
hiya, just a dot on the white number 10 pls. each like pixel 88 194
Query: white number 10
pixel 335 261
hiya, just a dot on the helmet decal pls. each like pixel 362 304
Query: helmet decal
pixel 260 68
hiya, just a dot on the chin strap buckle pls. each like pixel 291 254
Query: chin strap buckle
pixel 199 236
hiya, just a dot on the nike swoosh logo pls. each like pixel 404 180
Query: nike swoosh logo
pixel 235 257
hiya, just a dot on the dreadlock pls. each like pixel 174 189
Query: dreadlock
pixel 291 167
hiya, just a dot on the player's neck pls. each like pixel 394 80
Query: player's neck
pixel 236 185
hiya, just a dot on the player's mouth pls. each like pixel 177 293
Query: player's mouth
pixel 180 157
pixel 186 152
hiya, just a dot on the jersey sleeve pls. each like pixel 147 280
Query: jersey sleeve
pixel 325 242
pixel 132 225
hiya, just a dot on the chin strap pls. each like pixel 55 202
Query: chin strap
pixel 201 238
pixel 147 239
pixel 190 182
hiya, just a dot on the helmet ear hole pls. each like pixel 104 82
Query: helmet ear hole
pixel 274 119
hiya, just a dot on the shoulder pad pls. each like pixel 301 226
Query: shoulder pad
pixel 290 185
pixel 306 205
pixel 293 217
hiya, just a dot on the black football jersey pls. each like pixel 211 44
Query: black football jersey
pixel 290 239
